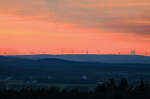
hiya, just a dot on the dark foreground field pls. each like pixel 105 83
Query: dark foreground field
pixel 108 90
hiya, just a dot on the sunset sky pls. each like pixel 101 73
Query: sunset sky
pixel 106 25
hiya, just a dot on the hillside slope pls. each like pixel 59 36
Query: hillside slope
pixel 94 58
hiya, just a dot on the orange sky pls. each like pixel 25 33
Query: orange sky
pixel 105 25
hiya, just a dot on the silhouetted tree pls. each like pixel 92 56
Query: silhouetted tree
pixel 109 90
pixel 123 85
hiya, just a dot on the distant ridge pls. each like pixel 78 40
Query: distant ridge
pixel 92 58
pixel 67 71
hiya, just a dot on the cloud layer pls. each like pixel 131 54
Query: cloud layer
pixel 125 16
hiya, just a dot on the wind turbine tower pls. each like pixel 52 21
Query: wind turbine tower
pixel 87 51
pixel 133 52
pixel 146 53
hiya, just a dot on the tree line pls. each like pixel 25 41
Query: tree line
pixel 107 90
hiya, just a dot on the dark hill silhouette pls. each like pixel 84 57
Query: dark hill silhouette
pixel 69 71
pixel 93 58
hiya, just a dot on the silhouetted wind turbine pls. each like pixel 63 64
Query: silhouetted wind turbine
pixel 72 51
pixel 146 53
pixel 98 52
pixel 133 52
pixel 87 51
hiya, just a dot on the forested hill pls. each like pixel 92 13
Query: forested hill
pixel 93 58
pixel 60 70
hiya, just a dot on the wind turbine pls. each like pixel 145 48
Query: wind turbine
pixel 72 51
pixel 146 53
pixel 87 51
pixel 133 52
pixel 98 52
